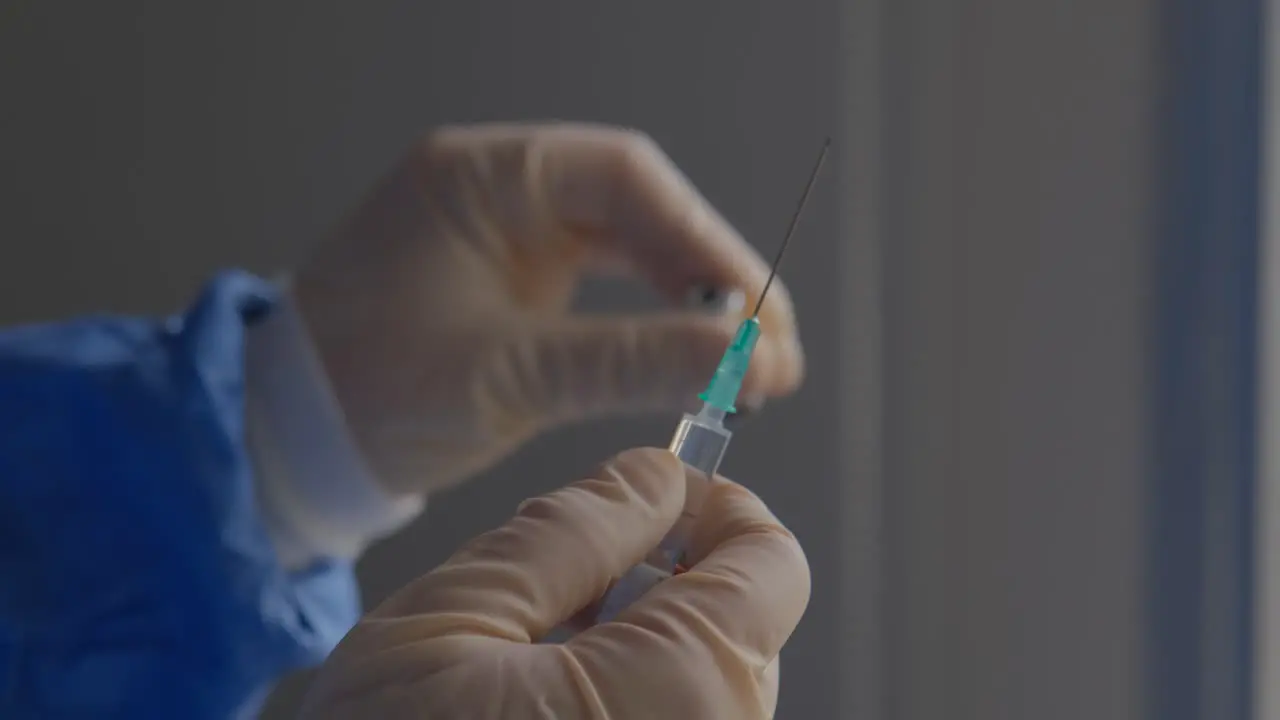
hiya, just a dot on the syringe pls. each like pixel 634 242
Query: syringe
pixel 701 440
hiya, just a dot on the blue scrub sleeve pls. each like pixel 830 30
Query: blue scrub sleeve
pixel 136 576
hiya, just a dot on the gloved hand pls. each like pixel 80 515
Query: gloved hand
pixel 440 310
pixel 459 642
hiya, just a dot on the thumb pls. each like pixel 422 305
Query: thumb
pixel 558 554
pixel 586 367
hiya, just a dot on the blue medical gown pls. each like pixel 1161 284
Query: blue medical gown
pixel 136 577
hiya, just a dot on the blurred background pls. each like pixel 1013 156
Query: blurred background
pixel 1034 290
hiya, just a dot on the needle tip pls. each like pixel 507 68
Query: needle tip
pixel 777 260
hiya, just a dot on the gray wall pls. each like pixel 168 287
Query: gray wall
pixel 1267 593
pixel 144 144
pixel 1017 168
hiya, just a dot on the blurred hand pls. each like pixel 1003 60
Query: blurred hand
pixel 440 310
pixel 458 642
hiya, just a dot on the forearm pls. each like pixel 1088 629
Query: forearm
pixel 138 576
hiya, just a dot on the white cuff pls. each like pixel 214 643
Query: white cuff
pixel 318 495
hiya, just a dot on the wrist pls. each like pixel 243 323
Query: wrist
pixel 319 496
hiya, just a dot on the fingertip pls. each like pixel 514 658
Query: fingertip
pixel 656 475
pixel 779 360
pixel 778 310
pixel 647 460
pixel 730 512
pixel 737 530
pixel 726 507
pixel 780 354
pixel 748 583
pixel 791 366
pixel 777 367
pixel 749 406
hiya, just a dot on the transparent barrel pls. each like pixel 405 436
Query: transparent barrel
pixel 700 441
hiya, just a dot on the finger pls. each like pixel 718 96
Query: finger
pixel 615 190
pixel 714 301
pixel 627 195
pixel 559 553
pixel 582 367
pixel 769 688
pixel 619 188
pixel 622 191
pixel 619 191
pixel 746 589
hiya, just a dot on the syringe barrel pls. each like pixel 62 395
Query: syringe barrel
pixel 700 442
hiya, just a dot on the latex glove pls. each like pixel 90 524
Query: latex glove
pixel 440 310
pixel 458 642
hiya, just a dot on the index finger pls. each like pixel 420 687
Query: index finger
pixel 621 191
pixel 748 584
pixel 558 554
